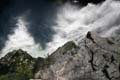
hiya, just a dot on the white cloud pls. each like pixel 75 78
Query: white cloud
pixel 21 39
pixel 73 23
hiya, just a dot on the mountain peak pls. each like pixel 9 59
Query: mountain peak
pixel 94 58
pixel 17 63
pixel 16 54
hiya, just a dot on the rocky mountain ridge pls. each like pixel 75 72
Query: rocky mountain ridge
pixel 93 58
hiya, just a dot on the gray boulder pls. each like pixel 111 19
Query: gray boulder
pixel 93 58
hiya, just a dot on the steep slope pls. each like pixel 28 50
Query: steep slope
pixel 16 65
pixel 95 58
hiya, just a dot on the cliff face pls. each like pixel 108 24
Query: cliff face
pixel 94 58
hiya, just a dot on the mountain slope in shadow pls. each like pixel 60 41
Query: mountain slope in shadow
pixel 94 58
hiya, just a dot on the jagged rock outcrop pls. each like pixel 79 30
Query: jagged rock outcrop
pixel 94 58
pixel 17 65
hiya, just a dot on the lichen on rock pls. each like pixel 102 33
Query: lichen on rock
pixel 93 58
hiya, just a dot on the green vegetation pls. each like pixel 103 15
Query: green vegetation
pixel 15 76
pixel 20 66
pixel 69 45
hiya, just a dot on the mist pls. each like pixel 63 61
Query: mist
pixel 74 22
pixel 42 35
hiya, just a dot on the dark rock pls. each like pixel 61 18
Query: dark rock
pixel 17 62
pixel 4 68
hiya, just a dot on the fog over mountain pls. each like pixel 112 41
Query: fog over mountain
pixel 41 27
